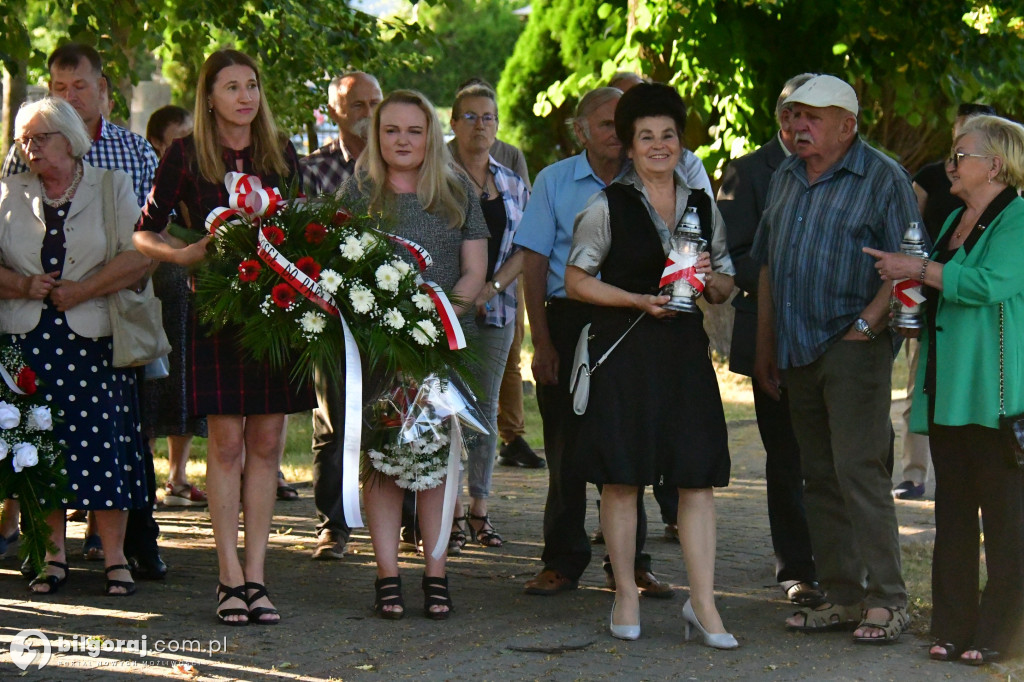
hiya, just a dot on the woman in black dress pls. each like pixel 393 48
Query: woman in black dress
pixel 655 414
pixel 245 402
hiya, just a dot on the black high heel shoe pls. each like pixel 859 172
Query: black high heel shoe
pixel 949 651
pixel 225 593
pixel 127 586
pixel 256 613
pixel 987 656
pixel 435 593
pixel 50 579
pixel 388 592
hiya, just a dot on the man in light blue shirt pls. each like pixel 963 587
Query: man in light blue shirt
pixel 560 192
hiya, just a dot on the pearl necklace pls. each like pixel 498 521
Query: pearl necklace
pixel 68 193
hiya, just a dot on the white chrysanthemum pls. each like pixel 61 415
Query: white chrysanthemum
pixel 368 240
pixel 429 328
pixel 352 249
pixel 394 319
pixel 419 336
pixel 330 281
pixel 313 323
pixel 423 302
pixel 362 299
pixel 401 266
pixel 388 277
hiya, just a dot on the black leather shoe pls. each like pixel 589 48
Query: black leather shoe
pixel 518 453
pixel 148 566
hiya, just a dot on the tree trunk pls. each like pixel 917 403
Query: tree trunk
pixel 311 137
pixel 15 90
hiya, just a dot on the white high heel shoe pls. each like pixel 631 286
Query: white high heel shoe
pixel 720 641
pixel 629 632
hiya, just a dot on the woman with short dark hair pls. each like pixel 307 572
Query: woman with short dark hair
pixel 663 363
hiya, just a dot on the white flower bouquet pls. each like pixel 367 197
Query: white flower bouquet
pixel 31 459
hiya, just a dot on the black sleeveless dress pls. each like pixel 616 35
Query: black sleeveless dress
pixel 655 413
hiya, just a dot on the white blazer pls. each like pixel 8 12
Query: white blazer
pixel 22 228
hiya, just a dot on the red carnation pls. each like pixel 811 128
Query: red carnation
pixel 274 234
pixel 341 217
pixel 283 295
pixel 249 270
pixel 309 266
pixel 26 380
pixel 315 233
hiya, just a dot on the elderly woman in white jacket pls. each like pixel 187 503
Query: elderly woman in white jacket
pixel 54 282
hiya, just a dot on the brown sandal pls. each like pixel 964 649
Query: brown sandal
pixel 827 618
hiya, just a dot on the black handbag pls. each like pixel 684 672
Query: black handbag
pixel 1012 427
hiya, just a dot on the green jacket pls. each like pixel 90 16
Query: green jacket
pixel 967 329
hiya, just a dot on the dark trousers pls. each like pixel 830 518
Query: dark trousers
pixel 566 545
pixel 328 438
pixel 972 472
pixel 784 481
pixel 142 529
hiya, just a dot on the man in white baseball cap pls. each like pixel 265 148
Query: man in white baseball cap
pixel 822 326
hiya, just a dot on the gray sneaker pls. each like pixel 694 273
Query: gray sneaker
pixel 330 546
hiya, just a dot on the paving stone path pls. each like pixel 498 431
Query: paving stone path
pixel 329 631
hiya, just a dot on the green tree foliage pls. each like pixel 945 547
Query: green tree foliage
pixel 560 36
pixel 461 39
pixel 911 63
pixel 299 44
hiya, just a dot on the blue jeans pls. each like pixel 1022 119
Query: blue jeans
pixel 491 345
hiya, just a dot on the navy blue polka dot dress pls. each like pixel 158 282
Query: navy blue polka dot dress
pixel 96 404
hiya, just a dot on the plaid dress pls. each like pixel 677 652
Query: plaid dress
pixel 223 379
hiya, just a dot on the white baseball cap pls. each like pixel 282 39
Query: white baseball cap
pixel 826 91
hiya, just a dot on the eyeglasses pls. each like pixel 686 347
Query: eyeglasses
pixel 471 117
pixel 39 139
pixel 956 157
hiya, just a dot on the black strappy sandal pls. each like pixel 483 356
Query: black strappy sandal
pixel 225 593
pixel 487 534
pixel 129 586
pixel 50 579
pixel 435 593
pixel 388 592
pixel 457 539
pixel 256 613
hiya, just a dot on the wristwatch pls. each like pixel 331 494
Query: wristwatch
pixel 496 284
pixel 861 325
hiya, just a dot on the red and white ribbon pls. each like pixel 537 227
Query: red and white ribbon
pixel 908 293
pixel 676 268
pixel 305 285
pixel 221 216
pixel 246 193
pixel 445 309
pixel 419 254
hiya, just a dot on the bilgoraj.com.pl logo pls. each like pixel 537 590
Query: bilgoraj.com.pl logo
pixel 28 647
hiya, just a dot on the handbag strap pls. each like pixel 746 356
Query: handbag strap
pixel 609 351
pixel 109 214
pixel 1002 407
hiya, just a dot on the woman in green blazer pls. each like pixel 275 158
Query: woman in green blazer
pixel 974 282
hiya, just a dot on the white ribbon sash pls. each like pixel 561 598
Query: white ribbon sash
pixel 353 374
pixel 9 380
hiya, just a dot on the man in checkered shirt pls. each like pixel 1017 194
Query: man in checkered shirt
pixel 351 99
pixel 76 75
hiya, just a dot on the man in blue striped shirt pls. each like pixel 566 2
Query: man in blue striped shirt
pixel 822 326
